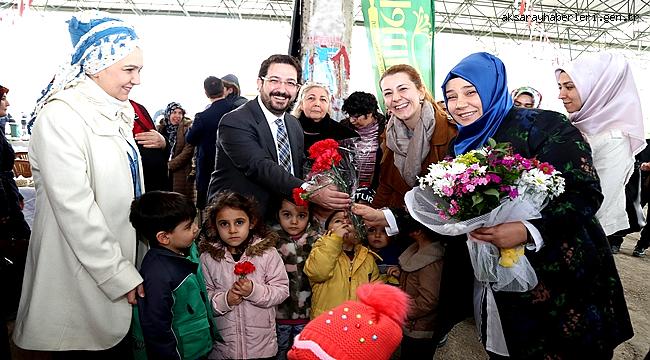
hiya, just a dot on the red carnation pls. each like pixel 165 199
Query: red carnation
pixel 300 196
pixel 244 268
pixel 326 160
pixel 321 147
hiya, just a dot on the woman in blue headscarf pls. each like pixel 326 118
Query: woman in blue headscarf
pixel 80 277
pixel 577 310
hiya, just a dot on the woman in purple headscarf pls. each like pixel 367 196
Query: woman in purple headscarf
pixel 599 93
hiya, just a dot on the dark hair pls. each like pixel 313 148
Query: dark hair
pixel 222 200
pixel 3 91
pixel 280 59
pixel 329 218
pixel 213 86
pixel 362 103
pixel 157 211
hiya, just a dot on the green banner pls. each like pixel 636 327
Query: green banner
pixel 400 32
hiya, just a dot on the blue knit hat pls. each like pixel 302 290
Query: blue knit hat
pixel 100 40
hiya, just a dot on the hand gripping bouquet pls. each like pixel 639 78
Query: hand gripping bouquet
pixel 332 162
pixel 482 188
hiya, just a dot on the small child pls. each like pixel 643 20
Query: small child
pixel 387 250
pixel 245 278
pixel 174 316
pixel 296 238
pixel 338 264
pixel 421 270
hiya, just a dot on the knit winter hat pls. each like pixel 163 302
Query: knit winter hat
pixel 232 79
pixel 100 40
pixel 171 107
pixel 370 328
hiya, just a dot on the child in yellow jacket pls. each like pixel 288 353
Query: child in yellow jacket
pixel 338 264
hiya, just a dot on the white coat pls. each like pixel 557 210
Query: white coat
pixel 80 262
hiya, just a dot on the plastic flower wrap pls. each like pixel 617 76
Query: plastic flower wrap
pixel 483 188
pixel 332 162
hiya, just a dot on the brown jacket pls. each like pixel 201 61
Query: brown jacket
pixel 420 279
pixel 180 163
pixel 392 186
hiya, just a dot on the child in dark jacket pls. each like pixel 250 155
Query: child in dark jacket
pixel 420 276
pixel 296 237
pixel 174 317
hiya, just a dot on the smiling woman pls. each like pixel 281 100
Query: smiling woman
pixel 313 110
pixel 86 166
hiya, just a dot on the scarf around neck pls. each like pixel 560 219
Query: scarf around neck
pixel 410 151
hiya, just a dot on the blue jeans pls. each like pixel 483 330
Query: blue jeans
pixel 286 333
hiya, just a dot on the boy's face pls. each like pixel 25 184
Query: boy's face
pixel 339 219
pixel 181 237
pixel 293 219
pixel 377 237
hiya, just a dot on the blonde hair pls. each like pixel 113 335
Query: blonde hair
pixel 413 75
pixel 297 108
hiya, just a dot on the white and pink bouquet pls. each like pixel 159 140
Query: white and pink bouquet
pixel 482 188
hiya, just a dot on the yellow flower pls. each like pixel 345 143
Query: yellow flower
pixel 509 257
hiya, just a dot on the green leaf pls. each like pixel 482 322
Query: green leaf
pixel 476 199
pixel 491 192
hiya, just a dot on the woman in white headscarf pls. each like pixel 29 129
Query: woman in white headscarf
pixel 599 93
pixel 80 276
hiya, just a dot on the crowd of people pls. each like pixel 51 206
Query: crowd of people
pixel 183 239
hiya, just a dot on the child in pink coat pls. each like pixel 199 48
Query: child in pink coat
pixel 245 278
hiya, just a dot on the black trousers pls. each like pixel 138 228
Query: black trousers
pixel 414 349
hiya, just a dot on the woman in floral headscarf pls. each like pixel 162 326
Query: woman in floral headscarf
pixel 174 126
pixel 80 277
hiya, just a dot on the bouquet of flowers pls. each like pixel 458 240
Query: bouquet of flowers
pixel 481 188
pixel 332 163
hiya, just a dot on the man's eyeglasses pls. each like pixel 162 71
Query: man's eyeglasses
pixel 275 82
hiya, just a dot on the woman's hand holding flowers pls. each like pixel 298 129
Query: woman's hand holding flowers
pixel 504 236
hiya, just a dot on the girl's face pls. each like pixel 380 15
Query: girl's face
pixel 176 116
pixel 118 79
pixel 233 226
pixel 293 219
pixel 315 104
pixel 463 102
pixel 568 93
pixel 377 238
pixel 4 104
pixel 401 96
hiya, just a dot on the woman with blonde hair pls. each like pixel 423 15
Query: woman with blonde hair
pixel 313 109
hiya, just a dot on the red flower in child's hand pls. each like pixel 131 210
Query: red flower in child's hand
pixel 300 196
pixel 320 147
pixel 244 268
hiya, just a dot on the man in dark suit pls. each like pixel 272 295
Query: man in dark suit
pixel 203 135
pixel 252 152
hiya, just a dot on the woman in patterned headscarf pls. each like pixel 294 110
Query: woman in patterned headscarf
pixel 80 277
pixel 527 97
pixel 174 126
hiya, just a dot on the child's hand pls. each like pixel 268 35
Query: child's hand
pixel 393 271
pixel 341 229
pixel 243 287
pixel 233 299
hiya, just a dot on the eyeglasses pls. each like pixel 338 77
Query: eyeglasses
pixel 357 117
pixel 275 82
